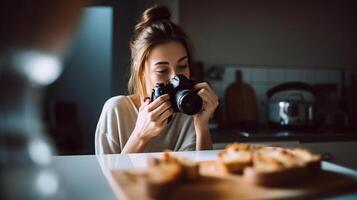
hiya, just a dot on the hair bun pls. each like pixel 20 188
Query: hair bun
pixel 156 13
pixel 153 14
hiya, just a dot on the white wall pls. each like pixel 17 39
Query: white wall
pixel 310 33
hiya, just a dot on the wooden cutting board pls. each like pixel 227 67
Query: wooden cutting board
pixel 213 185
pixel 240 103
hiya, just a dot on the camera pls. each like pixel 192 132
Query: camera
pixel 183 96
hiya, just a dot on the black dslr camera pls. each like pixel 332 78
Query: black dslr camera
pixel 183 96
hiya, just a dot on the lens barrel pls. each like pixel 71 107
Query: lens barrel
pixel 188 102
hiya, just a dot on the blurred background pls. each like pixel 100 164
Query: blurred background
pixel 270 43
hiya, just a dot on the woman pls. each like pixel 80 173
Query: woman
pixel 132 124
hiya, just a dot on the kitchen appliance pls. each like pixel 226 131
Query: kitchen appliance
pixel 291 108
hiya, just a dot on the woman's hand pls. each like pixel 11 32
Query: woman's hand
pixel 152 117
pixel 210 103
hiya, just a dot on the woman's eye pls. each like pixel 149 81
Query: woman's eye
pixel 182 66
pixel 164 71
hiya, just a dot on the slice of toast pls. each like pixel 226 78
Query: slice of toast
pixel 161 179
pixel 162 175
pixel 156 182
pixel 276 158
pixel 190 169
pixel 235 157
pixel 312 161
pixel 275 166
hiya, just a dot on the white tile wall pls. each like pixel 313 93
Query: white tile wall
pixel 218 88
pixel 308 76
pixel 276 76
pixel 260 90
pixel 321 76
pixel 228 76
pixel 292 75
pixel 334 76
pixel 259 75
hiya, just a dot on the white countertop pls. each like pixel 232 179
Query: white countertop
pixel 82 177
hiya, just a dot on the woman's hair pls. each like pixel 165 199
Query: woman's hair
pixel 153 28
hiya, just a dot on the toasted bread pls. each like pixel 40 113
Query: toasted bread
pixel 237 156
pixel 190 169
pixel 160 179
pixel 274 166
pixel 268 166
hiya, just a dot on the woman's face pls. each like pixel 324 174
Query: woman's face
pixel 164 62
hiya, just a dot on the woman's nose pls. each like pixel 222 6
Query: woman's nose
pixel 172 75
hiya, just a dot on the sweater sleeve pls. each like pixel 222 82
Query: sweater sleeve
pixel 108 132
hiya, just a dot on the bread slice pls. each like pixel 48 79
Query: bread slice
pixel 268 166
pixel 276 158
pixel 155 182
pixel 236 157
pixel 161 179
pixel 190 169
pixel 275 166
pixel 162 175
pixel 312 161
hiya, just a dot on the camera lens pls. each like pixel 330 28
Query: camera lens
pixel 188 102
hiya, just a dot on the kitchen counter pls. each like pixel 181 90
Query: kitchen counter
pixel 227 136
pixel 82 177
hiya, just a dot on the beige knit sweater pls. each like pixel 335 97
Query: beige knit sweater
pixel 117 122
